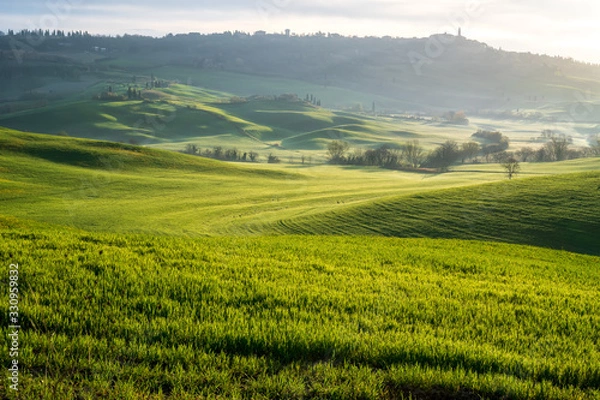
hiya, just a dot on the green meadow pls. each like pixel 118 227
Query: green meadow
pixel 151 274
pixel 111 187
pixel 147 273
pixel 134 316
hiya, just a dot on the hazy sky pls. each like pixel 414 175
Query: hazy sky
pixel 557 27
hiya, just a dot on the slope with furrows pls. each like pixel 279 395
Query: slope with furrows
pixel 557 212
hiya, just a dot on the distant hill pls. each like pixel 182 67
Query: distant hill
pixel 183 113
pixel 422 74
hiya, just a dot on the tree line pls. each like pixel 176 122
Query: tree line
pixel 409 155
pixel 231 154
pixel 494 146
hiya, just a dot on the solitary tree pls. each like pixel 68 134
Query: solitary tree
pixel 511 166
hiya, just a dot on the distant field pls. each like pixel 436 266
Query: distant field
pixel 245 85
pixel 209 116
pixel 175 116
pixel 112 187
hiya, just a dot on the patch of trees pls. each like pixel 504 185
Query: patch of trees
pixel 444 156
pixel 336 151
pixel 273 159
pixel 410 155
pixel 154 84
pixel 556 148
pixel 494 142
pixel 456 118
pixel 470 151
pixel 312 99
pixel 47 33
pixel 133 94
pixel 220 153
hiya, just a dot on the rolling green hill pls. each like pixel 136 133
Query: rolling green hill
pixel 118 302
pixel 102 156
pixel 397 74
pixel 558 212
pixel 152 274
pixel 115 187
pixel 181 114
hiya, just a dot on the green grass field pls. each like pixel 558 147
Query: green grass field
pixel 145 273
pixel 98 186
pixel 124 296
pixel 127 317
pixel 559 211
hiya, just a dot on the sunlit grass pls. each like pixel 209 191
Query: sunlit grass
pixel 301 317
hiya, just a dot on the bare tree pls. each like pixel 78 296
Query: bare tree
pixel 557 149
pixel 413 153
pixel 511 166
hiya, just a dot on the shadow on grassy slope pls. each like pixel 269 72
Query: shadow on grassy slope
pixel 115 156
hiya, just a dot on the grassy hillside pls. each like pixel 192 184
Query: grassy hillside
pixel 180 114
pixel 99 155
pixel 132 317
pixel 183 114
pixel 111 187
pixel 106 312
pixel 559 212
pixel 115 187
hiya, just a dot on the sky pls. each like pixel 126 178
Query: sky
pixel 569 28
